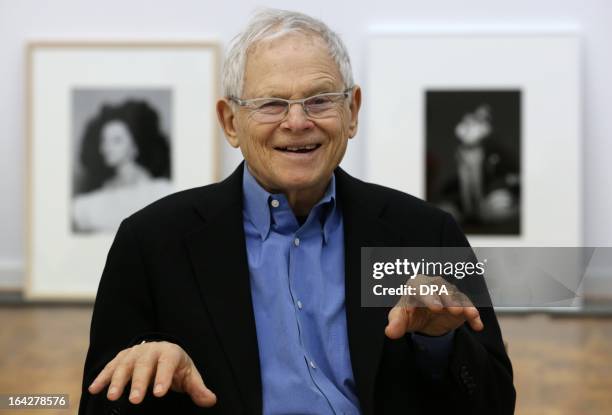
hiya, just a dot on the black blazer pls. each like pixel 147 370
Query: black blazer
pixel 178 271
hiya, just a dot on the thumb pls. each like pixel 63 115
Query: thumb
pixel 195 388
pixel 398 320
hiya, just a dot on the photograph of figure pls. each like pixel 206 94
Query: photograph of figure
pixel 122 156
pixel 473 158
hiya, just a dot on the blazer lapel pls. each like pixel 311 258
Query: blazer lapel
pixel 363 227
pixel 218 255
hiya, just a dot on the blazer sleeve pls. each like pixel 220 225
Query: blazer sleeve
pixel 480 372
pixel 124 314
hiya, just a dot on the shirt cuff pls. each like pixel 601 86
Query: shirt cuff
pixel 433 353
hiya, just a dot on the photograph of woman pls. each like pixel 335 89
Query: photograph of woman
pixel 123 164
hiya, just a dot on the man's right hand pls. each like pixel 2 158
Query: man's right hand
pixel 167 363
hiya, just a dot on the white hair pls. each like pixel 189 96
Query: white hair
pixel 270 23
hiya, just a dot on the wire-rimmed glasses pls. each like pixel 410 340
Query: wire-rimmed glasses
pixel 272 110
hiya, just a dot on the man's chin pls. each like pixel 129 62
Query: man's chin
pixel 299 183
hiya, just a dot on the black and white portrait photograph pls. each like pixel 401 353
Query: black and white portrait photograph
pixel 121 154
pixel 473 167
pixel 111 130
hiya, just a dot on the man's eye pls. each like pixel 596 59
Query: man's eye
pixel 316 101
pixel 272 106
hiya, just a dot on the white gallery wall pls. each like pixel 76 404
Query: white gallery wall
pixel 28 20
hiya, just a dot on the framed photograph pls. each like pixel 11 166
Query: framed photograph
pixel 112 127
pixel 472 158
pixel 485 126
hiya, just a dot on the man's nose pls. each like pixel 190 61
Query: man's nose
pixel 296 118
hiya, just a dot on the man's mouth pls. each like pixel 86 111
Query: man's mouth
pixel 299 149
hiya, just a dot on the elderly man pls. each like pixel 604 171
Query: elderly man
pixel 243 297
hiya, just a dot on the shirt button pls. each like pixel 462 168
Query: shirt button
pixel 299 304
pixel 312 364
pixel 274 203
pixel 296 242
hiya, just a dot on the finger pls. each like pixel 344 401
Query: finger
pixel 194 386
pixel 462 306
pixel 470 312
pixel 398 319
pixel 458 300
pixel 120 377
pixel 432 302
pixel 103 377
pixel 472 316
pixel 144 368
pixel 166 367
pixel 453 303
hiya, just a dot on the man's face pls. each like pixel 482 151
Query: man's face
pixel 293 66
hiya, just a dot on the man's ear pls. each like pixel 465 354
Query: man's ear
pixel 354 107
pixel 226 116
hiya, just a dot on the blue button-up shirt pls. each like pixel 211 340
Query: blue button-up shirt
pixel 297 288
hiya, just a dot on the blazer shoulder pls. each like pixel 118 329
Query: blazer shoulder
pixel 176 211
pixel 419 220
pixel 398 204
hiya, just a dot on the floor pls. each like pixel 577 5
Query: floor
pixel 563 365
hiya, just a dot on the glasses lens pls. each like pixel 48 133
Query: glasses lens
pixel 321 106
pixel 271 107
pixel 269 110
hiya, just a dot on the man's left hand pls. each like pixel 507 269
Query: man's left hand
pixel 432 315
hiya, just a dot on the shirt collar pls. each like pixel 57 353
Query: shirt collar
pixel 257 205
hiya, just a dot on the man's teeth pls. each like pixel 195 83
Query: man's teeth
pixel 310 147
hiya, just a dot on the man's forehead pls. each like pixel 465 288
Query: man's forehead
pixel 269 74
pixel 305 89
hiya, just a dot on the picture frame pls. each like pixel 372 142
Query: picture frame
pixel 111 127
pixel 426 88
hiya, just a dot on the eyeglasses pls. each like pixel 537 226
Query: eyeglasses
pixel 272 110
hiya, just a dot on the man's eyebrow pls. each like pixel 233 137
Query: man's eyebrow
pixel 321 88
pixel 316 89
